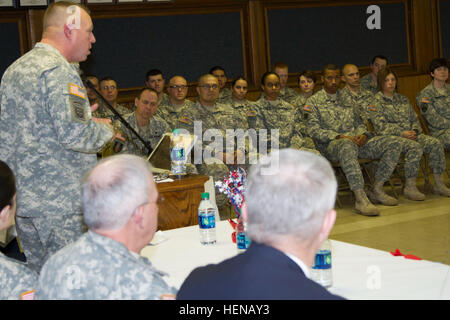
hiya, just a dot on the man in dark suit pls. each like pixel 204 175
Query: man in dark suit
pixel 289 200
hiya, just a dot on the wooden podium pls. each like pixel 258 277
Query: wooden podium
pixel 181 200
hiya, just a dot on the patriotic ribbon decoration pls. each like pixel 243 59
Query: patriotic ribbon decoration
pixel 233 188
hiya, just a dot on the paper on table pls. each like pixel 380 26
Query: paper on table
pixel 165 180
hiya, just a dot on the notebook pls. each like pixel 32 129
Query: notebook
pixel 160 156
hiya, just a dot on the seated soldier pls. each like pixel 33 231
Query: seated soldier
pixel 224 92
pixel 369 81
pixel 151 128
pixel 17 281
pixel 120 207
pixel 92 96
pixel 170 111
pixel 286 93
pixel 362 102
pixel 434 102
pixel 342 137
pixel 209 119
pixel 392 114
pixel 273 114
pixel 154 80
pixel 109 91
pixel 306 84
pixel 244 114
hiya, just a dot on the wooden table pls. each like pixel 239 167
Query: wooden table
pixel 181 200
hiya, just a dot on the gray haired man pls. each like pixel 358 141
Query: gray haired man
pixel 289 196
pixel 120 203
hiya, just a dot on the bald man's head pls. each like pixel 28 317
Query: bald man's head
pixel 350 75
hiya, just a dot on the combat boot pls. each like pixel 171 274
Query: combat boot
pixel 363 205
pixel 377 195
pixel 411 192
pixel 439 186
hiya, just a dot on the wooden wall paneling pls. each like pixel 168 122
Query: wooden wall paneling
pixel 258 49
pixel 35 25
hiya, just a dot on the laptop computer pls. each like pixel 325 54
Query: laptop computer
pixel 160 156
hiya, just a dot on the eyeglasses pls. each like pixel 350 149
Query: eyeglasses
pixel 109 87
pixel 209 87
pixel 182 87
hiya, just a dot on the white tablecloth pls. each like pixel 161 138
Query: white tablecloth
pixel 358 272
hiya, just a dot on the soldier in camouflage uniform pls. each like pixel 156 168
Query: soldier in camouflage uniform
pixel 362 102
pixel 120 205
pixel 211 156
pixel 17 281
pixel 392 114
pixel 92 96
pixel 434 102
pixel 274 113
pixel 244 114
pixel 47 134
pixel 369 81
pixel 170 112
pixel 224 92
pixel 306 83
pixel 149 127
pixel 286 93
pixel 109 91
pixel 154 80
pixel 342 137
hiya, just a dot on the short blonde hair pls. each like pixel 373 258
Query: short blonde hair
pixel 53 15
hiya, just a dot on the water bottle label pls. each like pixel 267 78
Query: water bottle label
pixel 322 260
pixel 177 154
pixel 206 222
pixel 242 240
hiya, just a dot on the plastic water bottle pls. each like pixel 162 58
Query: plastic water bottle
pixel 321 269
pixel 206 220
pixel 242 239
pixel 177 154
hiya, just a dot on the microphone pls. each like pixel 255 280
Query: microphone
pixel 116 114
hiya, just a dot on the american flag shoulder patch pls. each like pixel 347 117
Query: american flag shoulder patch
pixel 77 90
pixel 185 120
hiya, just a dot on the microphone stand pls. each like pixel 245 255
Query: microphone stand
pixel 116 114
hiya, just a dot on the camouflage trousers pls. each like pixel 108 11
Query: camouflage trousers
pixel 444 138
pixel 303 143
pixel 41 237
pixel 413 153
pixel 346 153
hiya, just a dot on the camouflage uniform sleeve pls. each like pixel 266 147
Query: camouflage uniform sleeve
pixel 315 129
pixel 428 106
pixel 424 100
pixel 71 115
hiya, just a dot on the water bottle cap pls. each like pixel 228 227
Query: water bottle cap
pixel 205 195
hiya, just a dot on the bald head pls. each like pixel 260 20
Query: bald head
pixel 350 75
